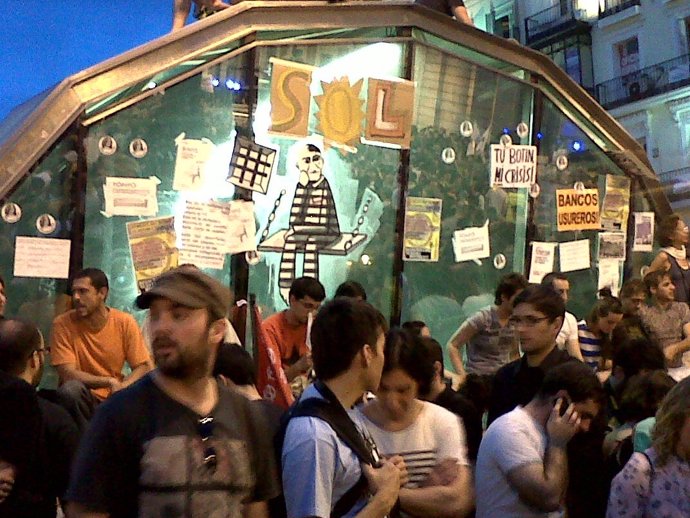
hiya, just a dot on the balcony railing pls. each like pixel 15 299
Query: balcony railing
pixel 610 7
pixel 554 19
pixel 647 82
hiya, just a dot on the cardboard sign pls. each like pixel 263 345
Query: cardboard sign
pixel 577 209
pixel 513 166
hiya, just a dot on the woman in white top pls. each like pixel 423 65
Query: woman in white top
pixel 430 439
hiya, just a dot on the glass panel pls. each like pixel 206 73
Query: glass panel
pixel 363 184
pixel 452 92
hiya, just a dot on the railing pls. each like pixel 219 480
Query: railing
pixel 647 82
pixel 610 7
pixel 550 20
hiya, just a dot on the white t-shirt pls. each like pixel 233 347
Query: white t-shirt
pixel 568 331
pixel 436 435
pixel 512 441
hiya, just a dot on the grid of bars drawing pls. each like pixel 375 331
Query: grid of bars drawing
pixel 251 165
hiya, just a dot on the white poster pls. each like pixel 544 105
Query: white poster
pixel 543 255
pixel 611 245
pixel 241 234
pixel 574 255
pixel 130 196
pixel 204 231
pixel 41 257
pixel 513 166
pixel 644 231
pixel 610 275
pixel 190 163
pixel 472 243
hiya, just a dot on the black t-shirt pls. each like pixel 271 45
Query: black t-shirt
pixel 143 455
pixel 442 6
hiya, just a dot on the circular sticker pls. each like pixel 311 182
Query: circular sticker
pixel 11 212
pixel 499 261
pixel 506 140
pixel 534 190
pixel 138 148
pixel 644 270
pixel 466 129
pixel 522 130
pixel 252 257
pixel 579 186
pixel 561 162
pixel 46 224
pixel 448 155
pixel 107 145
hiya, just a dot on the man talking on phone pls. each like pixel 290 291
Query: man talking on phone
pixel 522 466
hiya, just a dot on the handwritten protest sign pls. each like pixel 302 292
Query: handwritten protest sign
pixel 577 209
pixel 513 166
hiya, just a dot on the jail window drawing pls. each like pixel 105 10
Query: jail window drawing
pixel 251 165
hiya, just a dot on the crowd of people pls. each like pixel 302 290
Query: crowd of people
pixel 552 417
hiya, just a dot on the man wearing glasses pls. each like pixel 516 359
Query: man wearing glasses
pixel 177 443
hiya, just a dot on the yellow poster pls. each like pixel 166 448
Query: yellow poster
pixel 340 113
pixel 389 112
pixel 153 248
pixel 616 205
pixel 577 209
pixel 422 235
pixel 290 98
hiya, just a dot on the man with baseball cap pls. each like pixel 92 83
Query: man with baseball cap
pixel 177 443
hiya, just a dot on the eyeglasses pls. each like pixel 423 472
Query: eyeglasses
pixel 527 321
pixel 206 426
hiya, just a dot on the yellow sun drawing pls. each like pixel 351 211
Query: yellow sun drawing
pixel 340 113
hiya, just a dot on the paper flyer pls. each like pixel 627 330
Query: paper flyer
pixel 543 256
pixel 422 235
pixel 574 255
pixel 577 209
pixel 190 163
pixel 130 196
pixel 204 234
pixel 41 257
pixel 153 249
pixel 471 243
pixel 513 166
pixel 389 112
pixel 644 231
pixel 611 245
pixel 241 234
pixel 616 205
pixel 609 275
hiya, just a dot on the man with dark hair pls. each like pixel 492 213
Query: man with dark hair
pixel 567 337
pixel 287 330
pixel 22 354
pixel 351 289
pixel 91 344
pixel 319 468
pixel 522 467
pixel 177 443
pixel 537 318
pixel 632 295
pixel 667 321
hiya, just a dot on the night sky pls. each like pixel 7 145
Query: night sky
pixel 43 42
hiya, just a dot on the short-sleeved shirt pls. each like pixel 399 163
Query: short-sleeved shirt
pixel 442 6
pixel 512 441
pixel 490 348
pixel 318 468
pixel 290 340
pixel 143 455
pixel 568 331
pixel 590 345
pixel 435 435
pixel 100 353
pixel 666 325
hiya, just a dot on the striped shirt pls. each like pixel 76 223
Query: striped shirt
pixel 590 345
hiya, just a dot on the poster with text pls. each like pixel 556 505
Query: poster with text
pixel 153 248
pixel 616 204
pixel 543 255
pixel 41 257
pixel 190 163
pixel 290 98
pixel 612 245
pixel 471 243
pixel 574 255
pixel 389 112
pixel 513 166
pixel 204 234
pixel 610 275
pixel 577 209
pixel 422 235
pixel 130 196
pixel 644 231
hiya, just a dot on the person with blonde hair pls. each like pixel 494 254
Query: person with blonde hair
pixel 657 482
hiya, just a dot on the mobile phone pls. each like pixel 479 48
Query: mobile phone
pixel 565 403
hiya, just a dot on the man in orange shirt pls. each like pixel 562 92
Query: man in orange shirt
pixel 287 330
pixel 90 345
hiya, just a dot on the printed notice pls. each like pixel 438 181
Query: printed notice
pixel 422 235
pixel 204 234
pixel 130 196
pixel 612 245
pixel 190 163
pixel 41 257
pixel 616 205
pixel 577 209
pixel 610 275
pixel 241 235
pixel 513 166
pixel 543 255
pixel 574 255
pixel 472 243
pixel 152 245
pixel 644 231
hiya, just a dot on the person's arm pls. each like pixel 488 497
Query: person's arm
pixel 673 350
pixel 181 10
pixel 300 366
pixel 69 371
pixel 384 485
pixel 137 373
pixel 452 500
pixel 462 15
pixel 542 485
pixel 256 510
pixel 457 344
pixel 572 345
pixel 136 353
pixel 75 510
pixel 629 489
pixel 660 262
